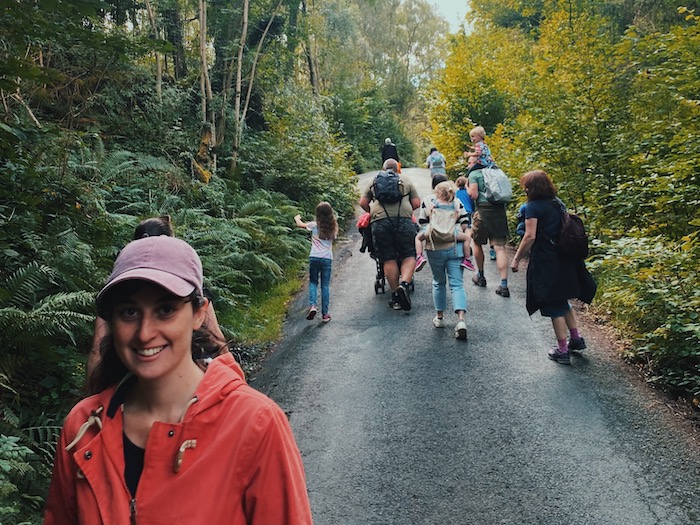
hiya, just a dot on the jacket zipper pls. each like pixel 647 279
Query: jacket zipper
pixel 132 503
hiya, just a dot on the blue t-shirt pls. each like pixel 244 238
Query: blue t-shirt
pixel 548 214
pixel 466 200
pixel 485 158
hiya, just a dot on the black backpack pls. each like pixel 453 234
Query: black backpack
pixel 572 240
pixel 387 187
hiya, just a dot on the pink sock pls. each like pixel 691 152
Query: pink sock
pixel 574 333
pixel 563 348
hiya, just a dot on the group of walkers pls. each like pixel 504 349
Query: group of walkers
pixel 172 431
pixel 403 247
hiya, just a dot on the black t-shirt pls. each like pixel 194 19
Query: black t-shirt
pixel 133 464
pixel 548 214
pixel 389 152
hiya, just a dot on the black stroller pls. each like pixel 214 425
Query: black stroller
pixel 368 246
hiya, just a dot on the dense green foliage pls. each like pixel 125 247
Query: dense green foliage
pixel 230 116
pixel 605 97
pixel 232 120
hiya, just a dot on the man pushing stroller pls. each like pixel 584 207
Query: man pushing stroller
pixel 390 200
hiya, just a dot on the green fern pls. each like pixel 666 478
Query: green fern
pixel 14 467
pixel 21 288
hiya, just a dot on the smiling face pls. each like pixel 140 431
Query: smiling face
pixel 152 332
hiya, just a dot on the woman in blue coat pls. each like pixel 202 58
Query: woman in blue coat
pixel 552 278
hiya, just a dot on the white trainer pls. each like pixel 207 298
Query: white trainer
pixel 461 330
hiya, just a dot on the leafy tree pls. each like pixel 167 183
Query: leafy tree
pixel 483 83
pixel 613 118
pixel 664 115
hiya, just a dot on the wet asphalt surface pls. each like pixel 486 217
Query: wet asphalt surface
pixel 399 423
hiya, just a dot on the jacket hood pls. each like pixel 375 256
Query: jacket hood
pixel 223 376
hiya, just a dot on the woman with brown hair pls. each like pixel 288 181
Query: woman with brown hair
pixel 153 227
pixel 552 278
pixel 169 437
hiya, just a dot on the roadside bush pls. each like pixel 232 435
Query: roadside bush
pixel 298 155
pixel 650 289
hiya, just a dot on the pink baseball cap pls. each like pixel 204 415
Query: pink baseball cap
pixel 166 261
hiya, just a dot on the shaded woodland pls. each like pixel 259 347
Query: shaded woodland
pixel 232 116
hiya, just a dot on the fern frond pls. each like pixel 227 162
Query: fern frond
pixel 5 384
pixel 25 284
pixel 66 301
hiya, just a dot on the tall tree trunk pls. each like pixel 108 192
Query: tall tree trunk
pixel 310 55
pixel 159 63
pixel 258 53
pixel 205 162
pixel 241 106
pixel 173 30
pixel 238 124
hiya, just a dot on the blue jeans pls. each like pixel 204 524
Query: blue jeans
pixel 445 266
pixel 322 267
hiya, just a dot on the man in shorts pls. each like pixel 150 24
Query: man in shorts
pixel 489 223
pixel 393 235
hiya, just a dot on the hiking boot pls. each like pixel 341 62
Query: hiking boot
pixel 313 310
pixel 326 318
pixel 560 357
pixel 479 280
pixel 503 292
pixel 403 297
pixel 394 303
pixel 420 262
pixel 492 254
pixel 461 330
pixel 577 346
pixel 439 322
pixel 468 264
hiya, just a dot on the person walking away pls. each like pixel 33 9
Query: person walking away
pixel 390 199
pixel 482 158
pixel 165 438
pixel 421 259
pixel 479 151
pixel 489 223
pixel 152 227
pixel 461 235
pixel 552 278
pixel 389 152
pixel 323 232
pixel 463 195
pixel 436 163
pixel 445 254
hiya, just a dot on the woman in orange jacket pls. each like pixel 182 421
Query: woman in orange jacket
pixel 168 438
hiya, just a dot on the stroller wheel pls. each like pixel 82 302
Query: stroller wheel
pixel 378 286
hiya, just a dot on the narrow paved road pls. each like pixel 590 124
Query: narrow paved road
pixel 399 423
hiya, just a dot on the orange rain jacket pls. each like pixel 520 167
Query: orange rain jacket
pixel 231 460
